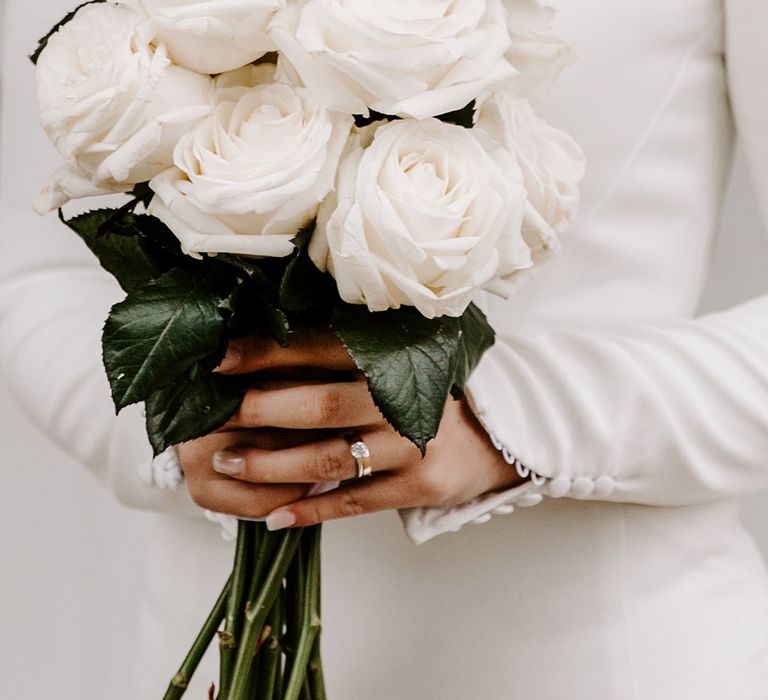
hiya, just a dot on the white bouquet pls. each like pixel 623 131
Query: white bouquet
pixel 370 166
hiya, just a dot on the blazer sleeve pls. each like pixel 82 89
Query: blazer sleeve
pixel 664 415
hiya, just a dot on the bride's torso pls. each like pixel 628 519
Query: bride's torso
pixel 646 98
pixel 569 599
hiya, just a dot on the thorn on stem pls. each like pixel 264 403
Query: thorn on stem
pixel 226 640
pixel 180 681
pixel 265 634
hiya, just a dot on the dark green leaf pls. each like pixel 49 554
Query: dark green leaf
pixel 142 193
pixel 409 361
pixel 44 41
pixel 193 406
pixel 276 321
pixel 302 238
pixel 246 267
pixel 361 121
pixel 303 287
pixel 476 336
pixel 462 117
pixel 126 257
pixel 162 330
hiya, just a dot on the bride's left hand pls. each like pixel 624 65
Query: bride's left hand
pixel 460 463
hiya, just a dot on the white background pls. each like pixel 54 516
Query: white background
pixel 70 559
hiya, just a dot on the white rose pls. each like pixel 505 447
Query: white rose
pixel 210 36
pixel 423 215
pixel 536 51
pixel 113 106
pixel 251 175
pixel 414 58
pixel 552 163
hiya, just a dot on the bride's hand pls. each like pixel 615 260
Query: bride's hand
pixel 257 473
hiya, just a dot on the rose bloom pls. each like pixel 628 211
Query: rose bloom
pixel 112 105
pixel 423 215
pixel 209 36
pixel 551 162
pixel 536 52
pixel 413 58
pixel 250 176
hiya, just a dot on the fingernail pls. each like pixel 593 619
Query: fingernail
pixel 280 519
pixel 231 360
pixel 229 463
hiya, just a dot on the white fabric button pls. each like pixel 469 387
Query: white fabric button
pixel 604 487
pixel 559 486
pixel 529 499
pixel 482 520
pixel 582 487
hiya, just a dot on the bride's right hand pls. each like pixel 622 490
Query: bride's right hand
pixel 219 493
pixel 215 491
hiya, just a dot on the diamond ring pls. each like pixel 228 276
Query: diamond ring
pixel 362 456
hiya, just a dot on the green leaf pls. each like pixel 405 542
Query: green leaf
pixel 276 321
pixel 67 18
pixel 409 361
pixel 361 121
pixel 246 267
pixel 125 256
pixel 193 406
pixel 142 193
pixel 302 238
pixel 304 287
pixel 161 330
pixel 461 117
pixel 412 363
pixel 476 336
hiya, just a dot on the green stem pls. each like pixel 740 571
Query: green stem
pixel 180 681
pixel 310 627
pixel 315 667
pixel 315 672
pixel 240 571
pixel 295 605
pixel 272 653
pixel 258 608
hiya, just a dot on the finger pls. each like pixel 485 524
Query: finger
pixel 223 495
pixel 323 461
pixel 314 348
pixel 339 405
pixel 371 495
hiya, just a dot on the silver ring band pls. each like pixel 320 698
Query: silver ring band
pixel 362 456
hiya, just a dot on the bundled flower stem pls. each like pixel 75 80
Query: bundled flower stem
pixel 180 681
pixel 270 610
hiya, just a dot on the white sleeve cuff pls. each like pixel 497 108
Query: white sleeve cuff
pixel 422 524
pixel 164 471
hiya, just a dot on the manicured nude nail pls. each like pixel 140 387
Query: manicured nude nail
pixel 229 463
pixel 280 519
pixel 231 360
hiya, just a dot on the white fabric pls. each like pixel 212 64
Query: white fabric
pixel 601 382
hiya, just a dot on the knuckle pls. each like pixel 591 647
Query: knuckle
pixel 248 412
pixel 327 466
pixel 310 514
pixel 350 505
pixel 325 406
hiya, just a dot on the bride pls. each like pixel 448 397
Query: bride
pixel 629 575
